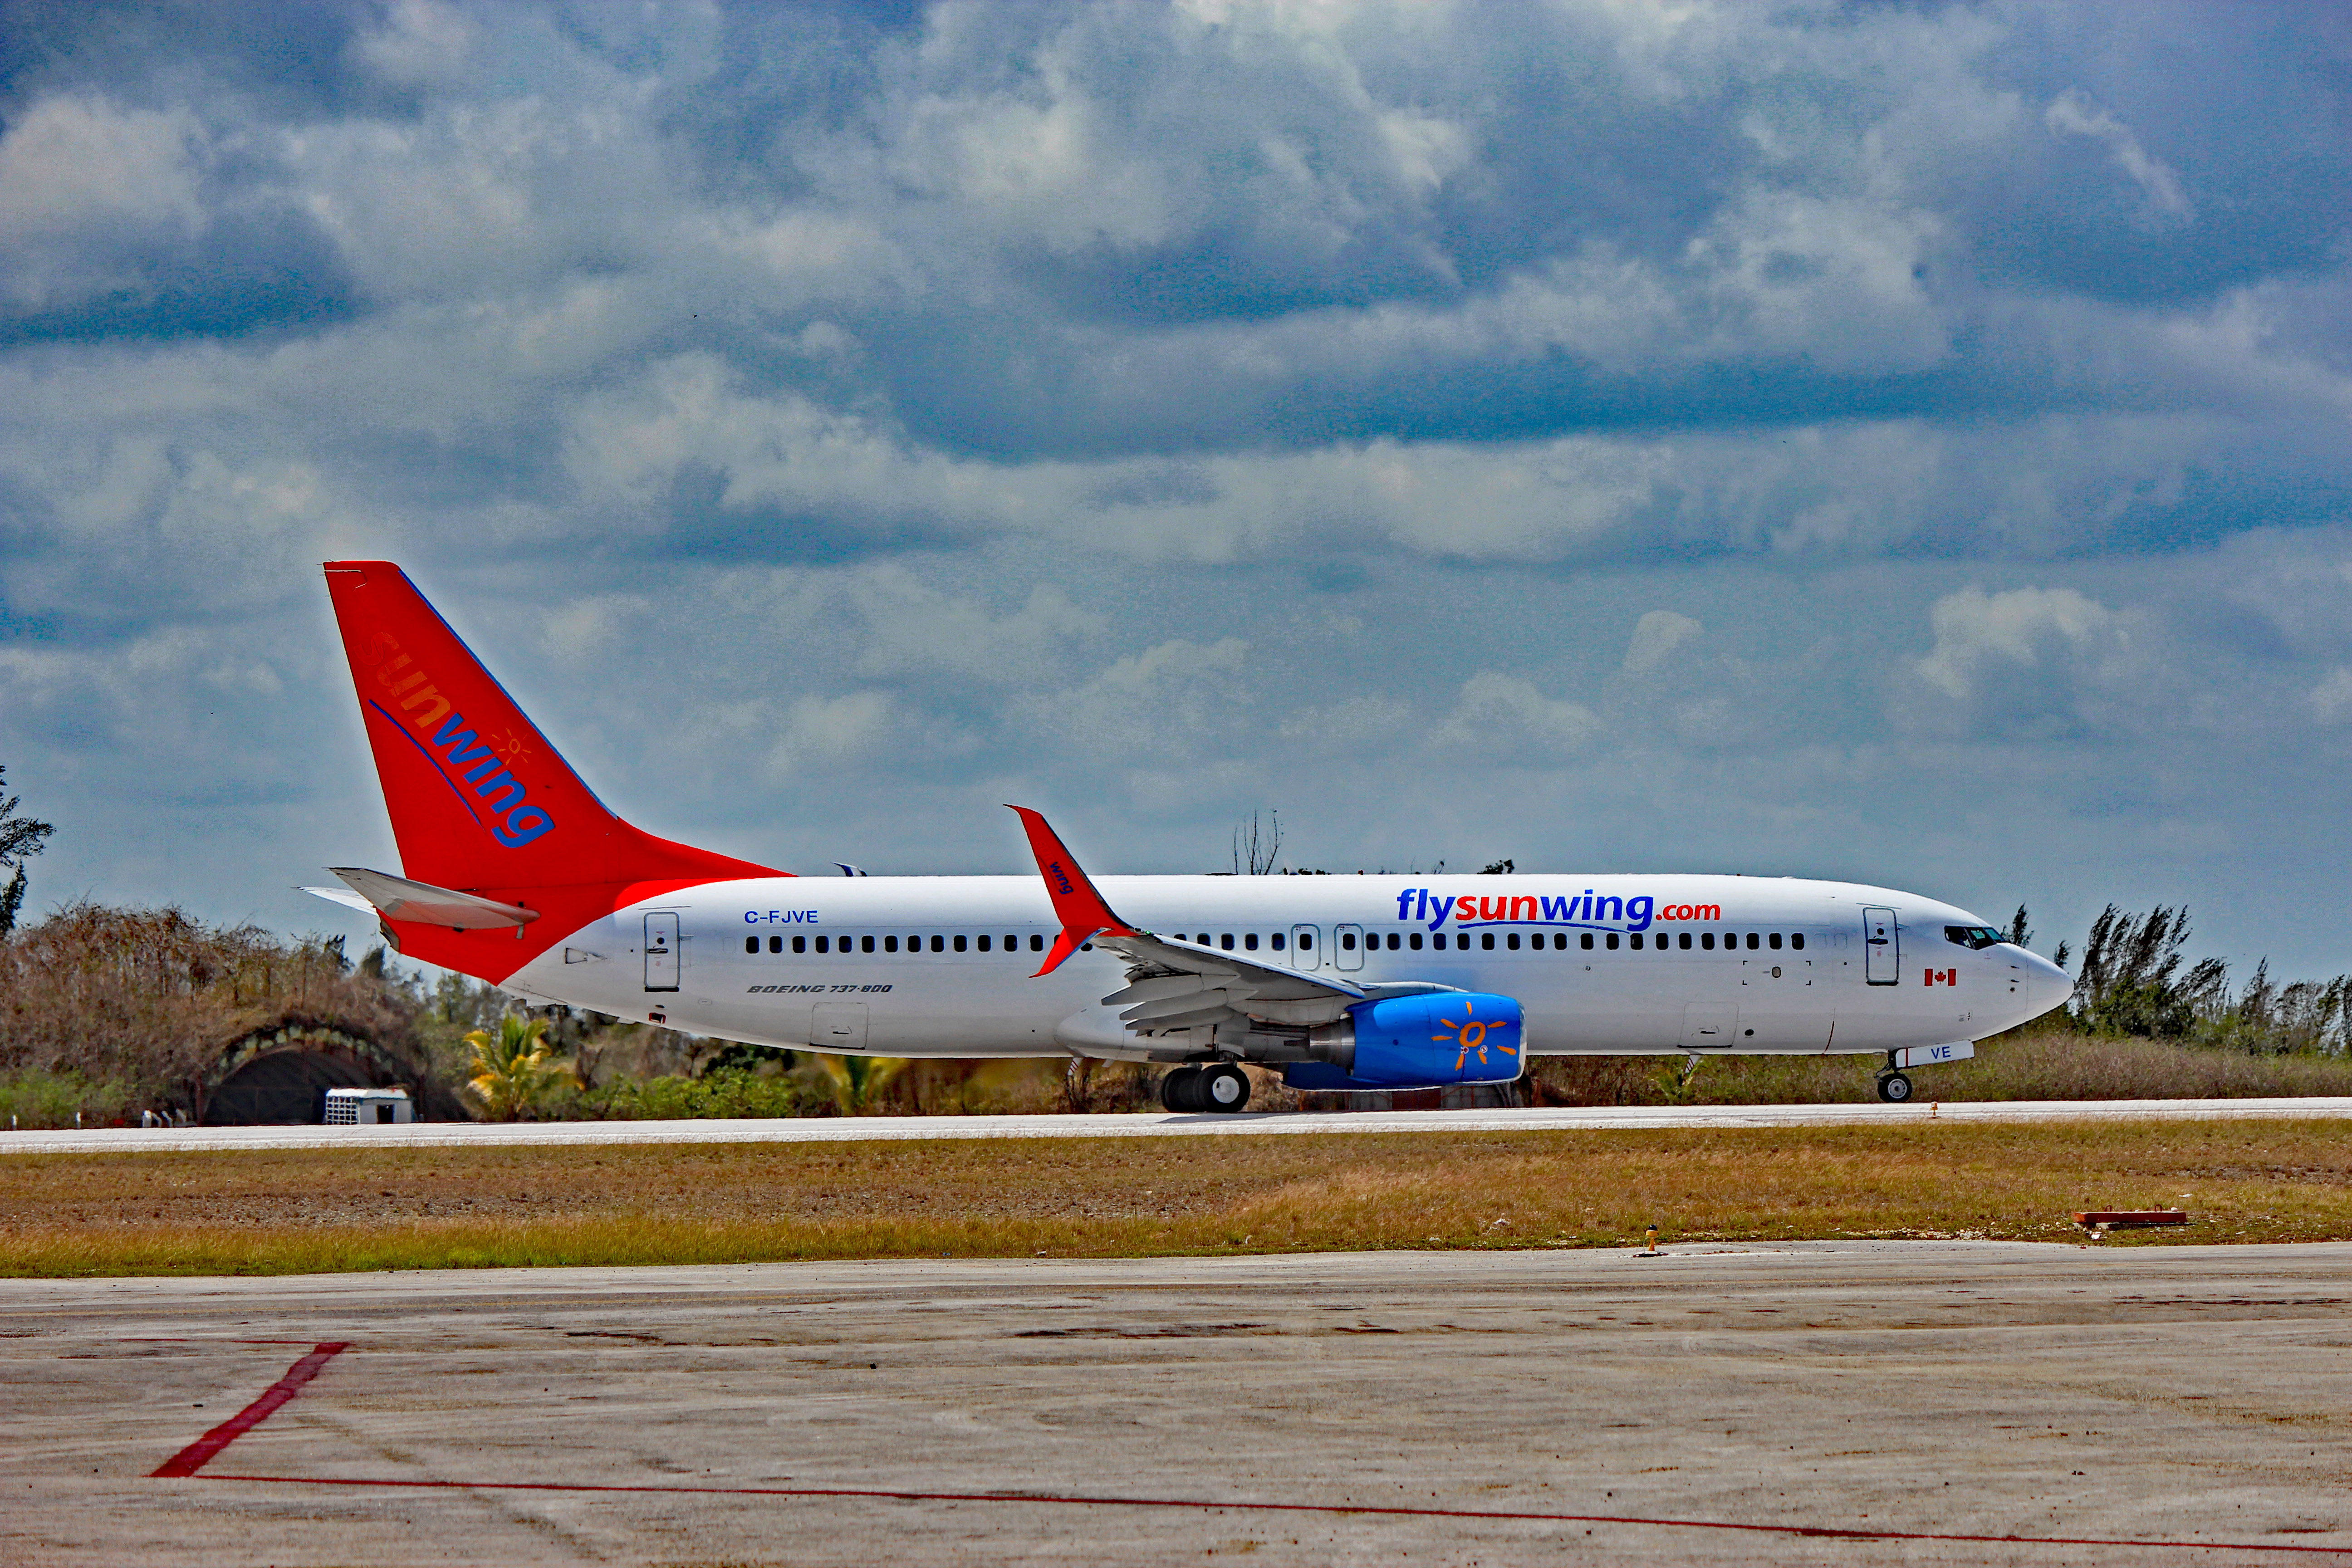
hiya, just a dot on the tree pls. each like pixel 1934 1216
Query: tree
pixel 20 839
pixel 1257 851
pixel 514 1068
pixel 2131 981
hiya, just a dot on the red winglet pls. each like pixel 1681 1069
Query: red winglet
pixel 1077 904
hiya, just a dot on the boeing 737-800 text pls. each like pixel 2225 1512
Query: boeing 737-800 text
pixel 513 871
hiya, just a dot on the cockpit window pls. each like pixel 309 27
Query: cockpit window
pixel 1973 936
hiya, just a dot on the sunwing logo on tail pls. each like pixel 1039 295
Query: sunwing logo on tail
pixel 461 754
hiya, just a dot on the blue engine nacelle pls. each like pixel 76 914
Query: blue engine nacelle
pixel 1416 1042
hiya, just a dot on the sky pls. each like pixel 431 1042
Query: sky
pixel 1903 443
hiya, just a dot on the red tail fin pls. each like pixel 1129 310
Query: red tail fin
pixel 478 799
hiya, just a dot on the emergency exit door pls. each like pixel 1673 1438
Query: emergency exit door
pixel 661 951
pixel 1882 946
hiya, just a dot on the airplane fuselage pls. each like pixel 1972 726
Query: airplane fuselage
pixel 943 966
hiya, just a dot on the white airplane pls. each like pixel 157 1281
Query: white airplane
pixel 514 872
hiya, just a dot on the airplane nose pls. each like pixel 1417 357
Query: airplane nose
pixel 2045 982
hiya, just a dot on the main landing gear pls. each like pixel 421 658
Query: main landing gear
pixel 1222 1088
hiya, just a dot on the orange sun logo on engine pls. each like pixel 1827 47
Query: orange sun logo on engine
pixel 1470 1034
pixel 510 750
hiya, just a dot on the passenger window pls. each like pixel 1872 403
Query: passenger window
pixel 1634 942
pixel 823 944
pixel 1512 942
pixel 889 944
pixel 1487 939
pixel 939 945
pixel 1276 940
pixel 1706 940
pixel 800 944
pixel 1585 941
pixel 960 944
pixel 1306 941
pixel 983 942
pixel 750 944
pixel 1613 942
pixel 1560 941
pixel 864 944
pixel 1797 940
pixel 1774 941
pixel 1754 941
pixel 1347 941
pixel 1416 941
pixel 775 945
pixel 1037 942
pixel 1226 941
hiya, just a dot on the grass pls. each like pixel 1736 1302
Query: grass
pixel 338 1210
pixel 2032 1064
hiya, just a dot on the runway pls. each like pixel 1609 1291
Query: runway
pixel 837 1129
pixel 1846 1402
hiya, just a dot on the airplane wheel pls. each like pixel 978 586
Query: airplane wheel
pixel 1894 1088
pixel 1224 1088
pixel 1179 1088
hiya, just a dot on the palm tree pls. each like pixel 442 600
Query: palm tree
pixel 857 1082
pixel 20 839
pixel 514 1068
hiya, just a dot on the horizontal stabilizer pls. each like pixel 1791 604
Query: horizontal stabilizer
pixel 398 899
pixel 343 896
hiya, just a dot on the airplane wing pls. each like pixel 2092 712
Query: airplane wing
pixel 1172 984
pixel 398 899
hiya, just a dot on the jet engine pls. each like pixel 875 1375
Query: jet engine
pixel 1420 1041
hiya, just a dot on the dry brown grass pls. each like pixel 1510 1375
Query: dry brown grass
pixel 2036 1064
pixel 306 1211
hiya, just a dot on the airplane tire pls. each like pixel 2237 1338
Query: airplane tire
pixel 1179 1089
pixel 1894 1088
pixel 1224 1089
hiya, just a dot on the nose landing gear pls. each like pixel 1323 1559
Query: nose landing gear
pixel 1894 1088
pixel 1222 1088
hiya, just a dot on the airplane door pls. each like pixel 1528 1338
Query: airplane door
pixel 1306 947
pixel 1883 948
pixel 1349 954
pixel 661 951
pixel 837 1026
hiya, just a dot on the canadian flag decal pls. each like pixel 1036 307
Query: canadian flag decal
pixel 1942 977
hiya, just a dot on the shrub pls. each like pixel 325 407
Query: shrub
pixel 723 1092
pixel 38 1098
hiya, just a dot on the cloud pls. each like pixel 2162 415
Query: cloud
pixel 1504 719
pixel 2027 661
pixel 921 403
pixel 915 628
pixel 1657 635
pixel 827 731
pixel 2072 112
pixel 421 44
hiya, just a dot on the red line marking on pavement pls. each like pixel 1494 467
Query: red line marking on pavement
pixel 192 1457
pixel 1825 1531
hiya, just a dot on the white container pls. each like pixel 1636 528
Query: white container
pixel 368 1107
